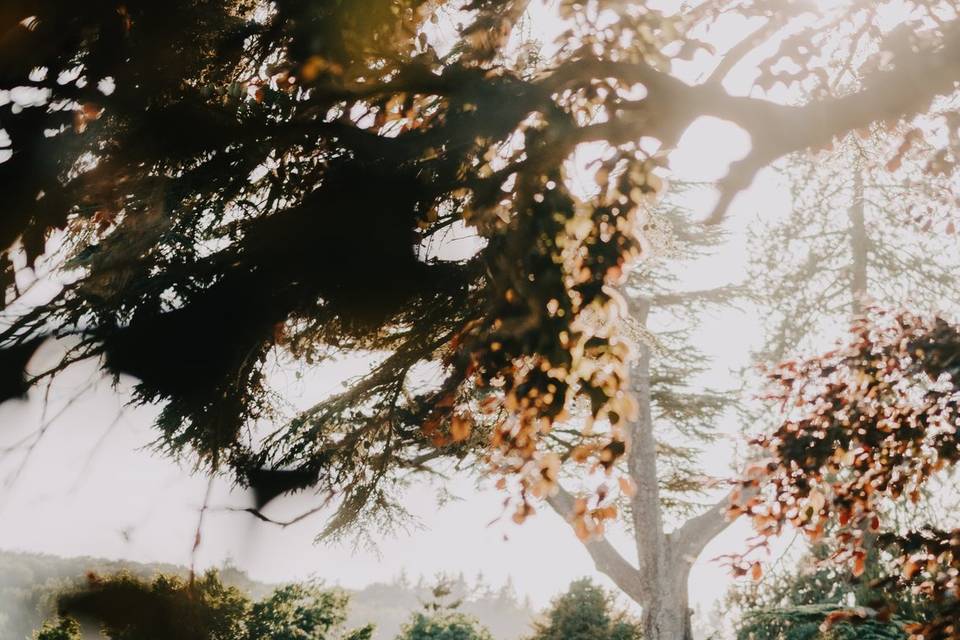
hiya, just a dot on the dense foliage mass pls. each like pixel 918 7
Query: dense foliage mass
pixel 872 421
pixel 444 626
pixel 124 607
pixel 807 622
pixel 855 234
pixel 799 599
pixel 851 238
pixel 239 179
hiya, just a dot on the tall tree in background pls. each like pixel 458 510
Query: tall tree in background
pixel 852 239
pixel 816 271
pixel 870 422
pixel 586 612
pixel 676 416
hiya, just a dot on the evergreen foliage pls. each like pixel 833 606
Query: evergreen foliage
pixel 62 629
pixel 850 240
pixel 240 182
pixel 222 185
pixel 666 315
pixel 795 602
pixel 586 612
pixel 806 622
pixel 446 625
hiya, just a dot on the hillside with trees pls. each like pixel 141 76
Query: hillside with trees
pixel 31 583
pixel 123 606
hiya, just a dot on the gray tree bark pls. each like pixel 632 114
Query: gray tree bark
pixel 859 246
pixel 659 581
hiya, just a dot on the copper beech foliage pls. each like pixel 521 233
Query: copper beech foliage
pixel 869 422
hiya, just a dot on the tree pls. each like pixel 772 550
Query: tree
pixel 298 611
pixel 816 269
pixel 675 419
pixel 235 182
pixel 807 622
pixel 822 272
pixel 31 584
pixel 447 625
pixel 810 272
pixel 797 602
pixel 828 270
pixel 870 422
pixel 127 608
pixel 586 612
pixel 62 629
pixel 442 620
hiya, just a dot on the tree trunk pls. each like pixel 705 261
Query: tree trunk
pixel 859 246
pixel 667 613
pixel 659 581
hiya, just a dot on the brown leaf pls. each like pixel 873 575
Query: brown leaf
pixel 460 427
pixel 859 564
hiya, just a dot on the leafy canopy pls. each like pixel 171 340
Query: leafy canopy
pixel 872 421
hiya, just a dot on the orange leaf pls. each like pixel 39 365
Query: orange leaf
pixel 460 427
pixel 859 565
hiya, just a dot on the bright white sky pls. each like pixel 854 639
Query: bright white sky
pixel 90 488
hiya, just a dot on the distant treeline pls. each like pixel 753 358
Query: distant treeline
pixel 29 584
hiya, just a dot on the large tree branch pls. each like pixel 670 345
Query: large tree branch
pixel 775 129
pixel 736 54
pixel 694 534
pixel 606 559
pixel 653 548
